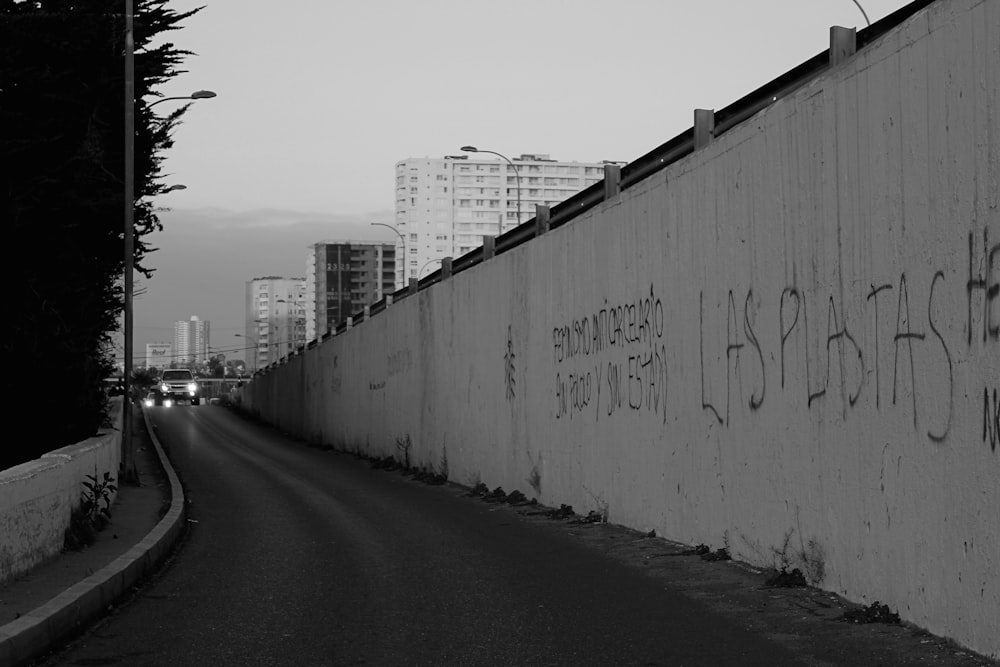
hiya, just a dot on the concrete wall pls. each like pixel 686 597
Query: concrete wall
pixel 786 343
pixel 37 497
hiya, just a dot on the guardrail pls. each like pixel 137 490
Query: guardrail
pixel 843 43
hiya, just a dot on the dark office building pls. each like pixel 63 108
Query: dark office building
pixel 342 278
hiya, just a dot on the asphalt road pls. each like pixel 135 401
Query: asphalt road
pixel 297 556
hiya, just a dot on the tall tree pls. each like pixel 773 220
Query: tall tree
pixel 61 200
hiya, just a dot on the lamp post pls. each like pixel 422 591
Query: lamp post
pixel 196 95
pixel 402 240
pixel 128 462
pixel 517 173
pixel 863 12
pixel 420 273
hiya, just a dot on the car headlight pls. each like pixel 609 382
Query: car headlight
pixel 193 387
pixel 164 387
pixel 148 402
pixel 167 403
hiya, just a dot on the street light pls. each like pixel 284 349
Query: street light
pixel 402 262
pixel 420 273
pixel 517 174
pixel 171 188
pixel 863 12
pixel 196 95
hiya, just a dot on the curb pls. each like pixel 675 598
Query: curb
pixel 33 634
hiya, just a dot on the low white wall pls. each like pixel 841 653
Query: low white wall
pixel 37 497
pixel 787 344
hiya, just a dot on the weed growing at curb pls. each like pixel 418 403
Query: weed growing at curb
pixel 717 555
pixel 515 497
pixel 496 496
pixel 874 613
pixel 703 551
pixel 93 513
pixel 403 445
pixel 564 512
pixel 699 550
pixel 479 489
pixel 786 579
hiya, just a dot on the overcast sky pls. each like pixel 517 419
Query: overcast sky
pixel 318 99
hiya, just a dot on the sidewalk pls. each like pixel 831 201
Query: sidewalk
pixel 44 606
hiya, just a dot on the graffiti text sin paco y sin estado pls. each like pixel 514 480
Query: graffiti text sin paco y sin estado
pixel 634 379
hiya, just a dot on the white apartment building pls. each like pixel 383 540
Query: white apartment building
pixel 275 319
pixel 191 341
pixel 445 206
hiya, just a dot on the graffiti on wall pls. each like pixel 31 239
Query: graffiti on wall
pixel 983 285
pixel 335 377
pixel 508 367
pixel 618 361
pixel 884 346
pixel 398 362
pixel 991 419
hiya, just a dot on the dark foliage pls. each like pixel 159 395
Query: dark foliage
pixel 62 202
pixel 786 579
pixel 873 613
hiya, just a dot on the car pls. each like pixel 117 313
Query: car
pixel 152 399
pixel 177 385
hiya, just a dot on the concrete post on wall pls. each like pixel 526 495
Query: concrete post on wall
pixel 368 312
pixel 446 268
pixel 612 181
pixel 843 44
pixel 388 300
pixel 489 247
pixel 350 322
pixel 704 127
pixel 541 219
pixel 414 285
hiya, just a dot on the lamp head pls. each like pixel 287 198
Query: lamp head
pixel 202 94
pixel 470 149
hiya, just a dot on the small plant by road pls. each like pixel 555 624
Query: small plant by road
pixel 93 513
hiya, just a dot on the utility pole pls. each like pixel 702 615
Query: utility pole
pixel 128 460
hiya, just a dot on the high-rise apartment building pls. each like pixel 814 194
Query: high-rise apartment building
pixel 445 206
pixel 342 277
pixel 275 319
pixel 191 341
